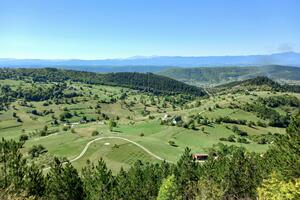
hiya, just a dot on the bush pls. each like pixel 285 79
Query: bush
pixel 243 140
pixel 261 124
pixel 34 112
pixel 65 128
pixel 65 115
pixel 23 137
pixel 37 150
pixel 262 140
pixel 231 138
pixel 95 133
pixel 172 143
pixel 46 104
pixel 151 117
pixel 236 130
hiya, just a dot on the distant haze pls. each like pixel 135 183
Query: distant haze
pixel 157 63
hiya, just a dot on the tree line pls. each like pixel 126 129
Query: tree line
pixel 35 92
pixel 147 82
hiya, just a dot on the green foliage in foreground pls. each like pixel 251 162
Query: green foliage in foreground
pixel 167 189
pixel 273 189
pixel 233 174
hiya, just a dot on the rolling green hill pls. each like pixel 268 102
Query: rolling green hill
pixel 140 81
pixel 53 122
pixel 220 75
pixel 261 81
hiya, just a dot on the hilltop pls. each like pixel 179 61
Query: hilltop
pixel 140 81
pixel 260 82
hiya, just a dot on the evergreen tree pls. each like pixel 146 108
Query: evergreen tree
pixel 97 180
pixel 242 176
pixel 284 156
pixel 34 181
pixel 186 175
pixel 64 183
pixel 168 189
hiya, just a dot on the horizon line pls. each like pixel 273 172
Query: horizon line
pixel 145 57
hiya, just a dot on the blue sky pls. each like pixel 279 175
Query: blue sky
pixel 95 29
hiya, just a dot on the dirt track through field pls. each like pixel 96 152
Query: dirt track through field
pixel 114 137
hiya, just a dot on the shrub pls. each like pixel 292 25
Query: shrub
pixel 236 130
pixel 261 124
pixel 95 133
pixel 243 140
pixel 23 137
pixel 151 117
pixel 231 138
pixel 37 150
pixel 65 128
pixel 172 143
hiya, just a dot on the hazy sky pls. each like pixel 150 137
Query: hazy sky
pixel 90 29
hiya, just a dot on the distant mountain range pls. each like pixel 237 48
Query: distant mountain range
pixel 156 63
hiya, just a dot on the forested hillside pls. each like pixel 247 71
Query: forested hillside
pixel 140 81
pixel 261 81
pixel 217 75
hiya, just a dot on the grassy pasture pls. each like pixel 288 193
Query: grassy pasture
pixel 132 124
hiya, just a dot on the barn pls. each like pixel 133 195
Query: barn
pixel 200 157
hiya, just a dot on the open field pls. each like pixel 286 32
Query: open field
pixel 138 118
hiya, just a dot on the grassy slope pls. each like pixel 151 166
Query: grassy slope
pixel 156 136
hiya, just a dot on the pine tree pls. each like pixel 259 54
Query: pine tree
pixel 186 175
pixel 97 180
pixel 34 181
pixel 64 183
pixel 284 156
pixel 242 176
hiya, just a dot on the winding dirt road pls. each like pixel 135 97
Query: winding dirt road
pixel 114 137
